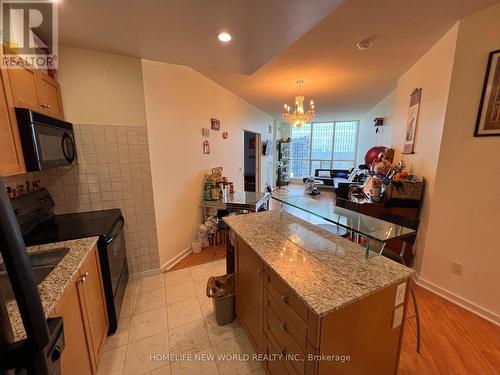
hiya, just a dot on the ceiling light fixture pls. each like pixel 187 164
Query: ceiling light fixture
pixel 224 37
pixel 299 117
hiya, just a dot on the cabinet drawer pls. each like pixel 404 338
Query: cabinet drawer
pixel 285 343
pixel 286 296
pixel 290 322
pixel 294 306
pixel 279 366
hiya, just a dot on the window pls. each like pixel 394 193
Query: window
pixel 323 145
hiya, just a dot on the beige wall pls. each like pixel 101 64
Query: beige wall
pixel 100 88
pixel 465 214
pixel 367 138
pixel 179 103
pixel 432 73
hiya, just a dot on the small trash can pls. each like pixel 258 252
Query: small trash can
pixel 196 246
pixel 221 290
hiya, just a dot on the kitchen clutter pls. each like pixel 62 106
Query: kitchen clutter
pixel 216 185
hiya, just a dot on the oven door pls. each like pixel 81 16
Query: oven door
pixel 55 146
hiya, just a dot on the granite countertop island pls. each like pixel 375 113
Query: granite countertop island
pixel 326 271
pixel 53 286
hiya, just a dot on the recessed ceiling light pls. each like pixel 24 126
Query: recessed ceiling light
pixel 224 37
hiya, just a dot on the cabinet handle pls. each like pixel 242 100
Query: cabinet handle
pixel 47 106
pixel 284 299
pixel 83 278
pixel 260 271
pixel 284 326
pixel 42 105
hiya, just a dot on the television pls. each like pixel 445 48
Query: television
pixel 268 147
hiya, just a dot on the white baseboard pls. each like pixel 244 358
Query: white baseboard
pixel 462 302
pixel 140 275
pixel 172 262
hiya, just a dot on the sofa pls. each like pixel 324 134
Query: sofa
pixel 330 177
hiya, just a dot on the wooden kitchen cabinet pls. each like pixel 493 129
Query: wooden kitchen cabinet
pixel 49 95
pixel 281 325
pixel 11 160
pixel 75 357
pixel 85 319
pixel 92 292
pixel 250 276
pixel 32 88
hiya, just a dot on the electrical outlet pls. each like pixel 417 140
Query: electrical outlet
pixel 457 268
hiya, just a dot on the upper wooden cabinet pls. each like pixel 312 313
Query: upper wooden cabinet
pixel 34 89
pixel 11 153
pixel 49 95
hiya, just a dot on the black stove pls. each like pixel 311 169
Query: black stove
pixel 39 225
pixel 70 226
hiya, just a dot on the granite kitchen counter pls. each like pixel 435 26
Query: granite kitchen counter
pixel 326 271
pixel 53 286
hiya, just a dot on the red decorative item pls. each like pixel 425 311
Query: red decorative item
pixel 373 154
pixel 225 135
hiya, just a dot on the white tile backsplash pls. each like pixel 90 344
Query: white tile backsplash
pixel 113 171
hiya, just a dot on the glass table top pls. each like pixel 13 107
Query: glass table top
pixel 367 226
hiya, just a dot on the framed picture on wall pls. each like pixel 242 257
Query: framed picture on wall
pixel 411 123
pixel 488 117
pixel 215 124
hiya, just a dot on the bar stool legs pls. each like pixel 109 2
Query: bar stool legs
pixel 416 316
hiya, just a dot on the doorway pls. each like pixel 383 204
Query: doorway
pixel 251 160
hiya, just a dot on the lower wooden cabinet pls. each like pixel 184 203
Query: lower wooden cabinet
pixel 282 326
pixel 250 276
pixel 83 309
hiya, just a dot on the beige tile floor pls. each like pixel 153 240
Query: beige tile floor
pixel 170 313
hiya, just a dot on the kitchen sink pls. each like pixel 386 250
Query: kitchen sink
pixel 42 264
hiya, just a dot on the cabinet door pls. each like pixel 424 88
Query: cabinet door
pixel 90 287
pixel 23 83
pixel 12 160
pixel 75 357
pixel 49 95
pixel 250 294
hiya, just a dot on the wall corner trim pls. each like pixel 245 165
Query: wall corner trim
pixel 462 302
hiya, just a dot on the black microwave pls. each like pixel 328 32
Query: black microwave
pixel 47 142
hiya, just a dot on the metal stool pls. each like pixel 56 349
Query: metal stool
pixel 412 224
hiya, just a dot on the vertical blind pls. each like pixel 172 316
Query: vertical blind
pixel 323 145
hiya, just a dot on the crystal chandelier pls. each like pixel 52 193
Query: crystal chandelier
pixel 299 117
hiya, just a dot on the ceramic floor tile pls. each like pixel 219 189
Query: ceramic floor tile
pixel 189 338
pixel 112 362
pixel 165 370
pixel 203 271
pixel 200 365
pixel 148 323
pixel 150 283
pixel 177 277
pixel 139 354
pixel 120 337
pixel 206 305
pixel 131 285
pixel 200 285
pixel 149 300
pixel 127 306
pixel 239 345
pixel 183 312
pixel 217 333
pixel 180 292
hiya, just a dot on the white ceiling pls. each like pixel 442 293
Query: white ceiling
pixel 185 31
pixel 275 42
